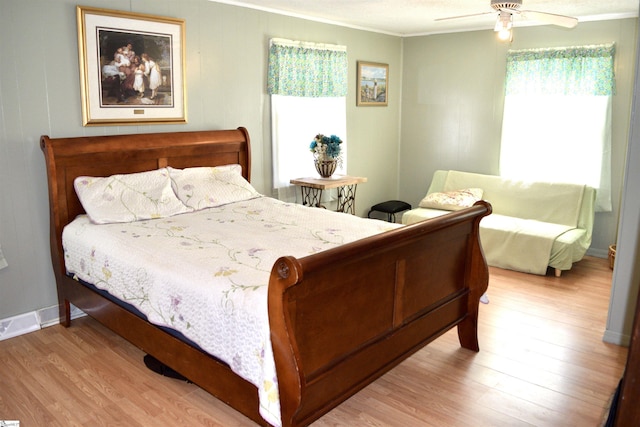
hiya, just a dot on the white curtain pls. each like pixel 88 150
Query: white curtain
pixel 294 123
pixel 559 139
pixel 557 117
pixel 308 86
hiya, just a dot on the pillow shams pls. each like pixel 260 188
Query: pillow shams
pixel 452 200
pixel 128 197
pixel 207 187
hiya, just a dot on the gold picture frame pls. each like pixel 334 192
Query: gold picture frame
pixel 132 68
pixel 373 84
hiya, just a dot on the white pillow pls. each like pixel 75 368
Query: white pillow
pixel 128 197
pixel 452 200
pixel 207 187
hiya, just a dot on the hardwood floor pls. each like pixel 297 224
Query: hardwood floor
pixel 542 362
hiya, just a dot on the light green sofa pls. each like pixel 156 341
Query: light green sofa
pixel 534 225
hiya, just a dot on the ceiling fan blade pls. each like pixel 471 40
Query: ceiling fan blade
pixel 551 18
pixel 464 16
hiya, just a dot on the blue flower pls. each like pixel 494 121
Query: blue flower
pixel 326 147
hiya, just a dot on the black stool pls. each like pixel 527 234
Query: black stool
pixel 391 208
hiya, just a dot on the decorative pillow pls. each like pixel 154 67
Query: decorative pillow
pixel 208 187
pixel 128 197
pixel 452 200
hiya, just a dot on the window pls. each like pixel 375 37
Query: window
pixel 308 87
pixel 557 117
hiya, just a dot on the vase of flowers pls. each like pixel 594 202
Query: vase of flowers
pixel 326 154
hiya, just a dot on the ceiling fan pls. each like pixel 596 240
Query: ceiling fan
pixel 506 10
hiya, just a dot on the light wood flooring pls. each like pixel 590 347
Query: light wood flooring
pixel 542 362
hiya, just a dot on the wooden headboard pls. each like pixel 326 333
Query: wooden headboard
pixel 68 158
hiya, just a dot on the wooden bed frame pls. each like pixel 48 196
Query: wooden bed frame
pixel 339 319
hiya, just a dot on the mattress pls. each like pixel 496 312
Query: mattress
pixel 205 274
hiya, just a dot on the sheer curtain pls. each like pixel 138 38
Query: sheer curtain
pixel 308 87
pixel 557 117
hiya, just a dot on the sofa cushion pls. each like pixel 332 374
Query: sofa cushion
pixel 519 244
pixel 452 200
pixel 557 203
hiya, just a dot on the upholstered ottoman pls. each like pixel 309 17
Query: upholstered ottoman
pixel 391 208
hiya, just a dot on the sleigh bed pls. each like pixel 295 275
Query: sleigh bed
pixel 337 318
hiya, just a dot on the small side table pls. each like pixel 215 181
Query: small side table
pixel 312 189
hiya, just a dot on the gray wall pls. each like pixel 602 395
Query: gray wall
pixel 451 112
pixel 226 79
pixel 452 118
pixel 453 101
pixel 626 274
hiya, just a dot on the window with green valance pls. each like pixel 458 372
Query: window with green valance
pixel 581 70
pixel 307 69
pixel 556 123
pixel 307 84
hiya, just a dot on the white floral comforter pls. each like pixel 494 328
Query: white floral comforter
pixel 206 273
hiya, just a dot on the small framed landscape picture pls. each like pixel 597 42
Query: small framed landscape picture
pixel 373 84
pixel 131 67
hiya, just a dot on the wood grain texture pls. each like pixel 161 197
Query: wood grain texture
pixel 542 363
pixel 628 411
pixel 322 357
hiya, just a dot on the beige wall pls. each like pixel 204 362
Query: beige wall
pixel 226 79
pixel 453 101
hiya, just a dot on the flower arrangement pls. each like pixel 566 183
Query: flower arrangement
pixel 326 147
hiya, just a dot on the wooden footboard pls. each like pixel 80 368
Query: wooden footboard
pixel 343 317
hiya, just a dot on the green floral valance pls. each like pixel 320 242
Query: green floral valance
pixel 581 70
pixel 307 69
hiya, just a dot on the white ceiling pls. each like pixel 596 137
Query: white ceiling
pixel 417 17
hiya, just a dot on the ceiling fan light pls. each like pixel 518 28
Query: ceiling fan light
pixel 504 24
pixel 505 35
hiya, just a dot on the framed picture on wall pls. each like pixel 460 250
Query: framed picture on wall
pixel 373 84
pixel 132 68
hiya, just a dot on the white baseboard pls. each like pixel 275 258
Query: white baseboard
pixel 49 316
pixel 18 325
pixel 616 338
pixel 33 321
